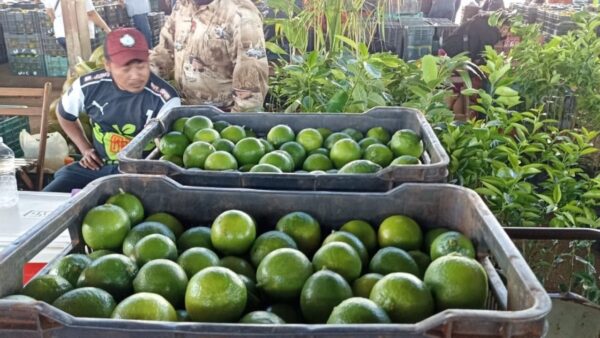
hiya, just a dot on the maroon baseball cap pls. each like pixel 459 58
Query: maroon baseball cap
pixel 124 45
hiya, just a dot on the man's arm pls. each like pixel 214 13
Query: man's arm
pixel 251 72
pixel 162 56
pixel 97 19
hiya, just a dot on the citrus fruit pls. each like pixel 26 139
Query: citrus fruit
pixel 405 160
pixel 268 146
pixel 249 151
pixel 220 125
pixel 366 142
pixel 253 302
pixel 333 138
pixel 392 259
pixel 290 314
pixel 208 135
pixel 379 153
pixel 325 132
pixel 239 266
pixel 451 241
pixel 195 237
pixel 113 273
pixel 430 236
pixel 173 143
pixel 316 162
pixel 360 167
pixel 322 151
pixel 323 291
pixel 233 133
pixel 261 317
pixel 215 294
pixel 177 160
pixel 362 286
pixel 310 139
pixel 296 151
pixel 344 151
pixel 86 302
pixel 179 124
pixel 169 220
pixel 406 142
pixel 400 231
pixel 47 288
pixel 193 260
pixel 131 204
pixel 195 123
pixel 339 257
pixel 99 253
pixel 70 266
pixel 404 297
pixel 364 231
pixel 233 232
pixel 380 134
pixel 195 154
pixel 279 159
pixel 352 240
pixel 282 273
pixel 268 242
pixel 145 306
pixel 105 227
pixel 142 230
pixel 422 259
pixel 457 282
pixel 162 277
pixel 154 246
pixel 280 134
pixel 265 168
pixel 358 310
pixel 355 134
pixel 304 230
pixel 220 160
pixel 223 145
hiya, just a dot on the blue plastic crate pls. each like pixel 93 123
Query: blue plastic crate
pixel 56 66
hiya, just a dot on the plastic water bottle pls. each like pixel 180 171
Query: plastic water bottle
pixel 8 181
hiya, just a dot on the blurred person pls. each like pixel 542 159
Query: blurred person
pixel 138 11
pixel 215 52
pixel 54 12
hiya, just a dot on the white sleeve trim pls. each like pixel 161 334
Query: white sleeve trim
pixel 172 103
pixel 73 102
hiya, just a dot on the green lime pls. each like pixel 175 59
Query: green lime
pixel 364 231
pixel 339 257
pixel 131 204
pixel 317 162
pixel 47 288
pixel 391 259
pixel 404 298
pixel 179 124
pixel 449 242
pixel 195 154
pixel 249 151
pixel 173 143
pixel 269 242
pixel 233 232
pixel 70 267
pixel 400 231
pixel 86 302
pixel 362 286
pixel 208 135
pixel 105 227
pixel 380 134
pixel 220 160
pixel 145 306
pixel 282 273
pixel 310 139
pixel 280 134
pixel 162 277
pixel 344 151
pixel 169 220
pixel 233 133
pixel 261 317
pixel 358 310
pixel 193 260
pixel 154 246
pixel 223 145
pixel 195 237
pixel 406 142
pixel 323 291
pixel 304 230
pixel 195 123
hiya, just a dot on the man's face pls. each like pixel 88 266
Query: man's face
pixel 131 77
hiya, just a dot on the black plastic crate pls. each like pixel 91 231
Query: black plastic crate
pixel 442 29
pixel 516 307
pixel 3 52
pixel 21 22
pixel 27 65
pixel 434 168
pixel 10 127
pixel 23 44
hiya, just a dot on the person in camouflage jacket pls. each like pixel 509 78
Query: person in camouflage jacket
pixel 215 52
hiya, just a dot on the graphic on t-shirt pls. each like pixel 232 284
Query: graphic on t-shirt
pixel 115 141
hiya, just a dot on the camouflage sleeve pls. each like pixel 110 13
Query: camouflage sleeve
pixel 251 71
pixel 162 57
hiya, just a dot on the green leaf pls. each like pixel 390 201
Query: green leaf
pixel 506 91
pixel 429 68
pixel 546 199
pixel 556 194
pixel 587 151
pixel 274 48
pixel 372 70
pixel 337 103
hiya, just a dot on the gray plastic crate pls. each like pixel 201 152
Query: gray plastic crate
pixel 515 308
pixel 434 167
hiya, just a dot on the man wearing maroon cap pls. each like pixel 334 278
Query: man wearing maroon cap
pixel 119 101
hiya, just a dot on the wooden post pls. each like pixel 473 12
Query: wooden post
pixel 76 30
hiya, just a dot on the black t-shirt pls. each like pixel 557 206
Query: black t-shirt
pixel 116 116
pixel 472 37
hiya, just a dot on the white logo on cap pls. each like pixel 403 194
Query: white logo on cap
pixel 127 40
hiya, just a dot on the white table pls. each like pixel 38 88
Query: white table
pixel 32 208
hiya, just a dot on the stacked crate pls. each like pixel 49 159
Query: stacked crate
pixel 55 57
pixel 3 55
pixel 157 20
pixel 442 29
pixel 409 37
pixel 114 15
pixel 23 41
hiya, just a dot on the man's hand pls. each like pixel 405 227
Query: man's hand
pixel 90 159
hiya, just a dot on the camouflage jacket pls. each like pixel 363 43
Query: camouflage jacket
pixel 215 53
